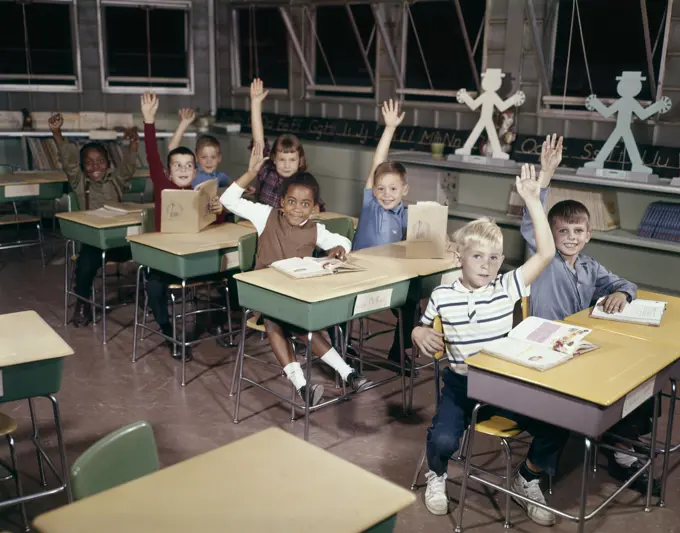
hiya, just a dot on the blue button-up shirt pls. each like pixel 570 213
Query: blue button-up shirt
pixel 560 290
pixel 222 179
pixel 378 225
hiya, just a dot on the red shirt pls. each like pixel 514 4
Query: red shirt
pixel 159 177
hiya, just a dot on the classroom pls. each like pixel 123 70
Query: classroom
pixel 412 263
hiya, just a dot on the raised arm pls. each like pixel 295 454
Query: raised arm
pixel 390 112
pixel 529 189
pixel 660 106
pixel 464 97
pixel 153 157
pixel 257 96
pixel 186 117
pixel 69 155
pixel 594 104
pixel 128 166
pixel 516 99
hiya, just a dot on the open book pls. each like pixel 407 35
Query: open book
pixel 541 344
pixel 312 267
pixel 647 312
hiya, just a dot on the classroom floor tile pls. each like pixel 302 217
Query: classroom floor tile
pixel 102 390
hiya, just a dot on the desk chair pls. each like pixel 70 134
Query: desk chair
pixel 124 455
pixel 7 427
pixel 17 219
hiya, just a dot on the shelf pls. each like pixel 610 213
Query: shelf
pixel 566 175
pixel 616 236
pixel 159 134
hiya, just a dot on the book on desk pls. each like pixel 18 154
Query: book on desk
pixel 648 312
pixel 312 267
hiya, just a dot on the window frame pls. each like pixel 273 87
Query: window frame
pixel 77 86
pixel 189 89
pixel 235 60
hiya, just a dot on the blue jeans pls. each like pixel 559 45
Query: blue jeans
pixel 453 418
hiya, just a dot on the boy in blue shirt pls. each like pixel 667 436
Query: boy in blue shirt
pixel 571 283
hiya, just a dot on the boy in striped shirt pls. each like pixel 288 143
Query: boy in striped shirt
pixel 474 310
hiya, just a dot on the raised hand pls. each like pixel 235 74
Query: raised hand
pixel 518 98
pixel 256 158
pixel 187 115
pixel 131 134
pixel 390 112
pixel 149 107
pixel 55 122
pixel 527 185
pixel 257 91
pixel 665 105
pixel 590 102
pixel 551 153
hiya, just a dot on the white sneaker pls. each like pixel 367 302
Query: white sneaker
pixel 436 500
pixel 532 490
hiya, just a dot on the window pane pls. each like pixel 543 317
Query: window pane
pixel 443 45
pixel 610 51
pixel 12 48
pixel 263 47
pixel 126 52
pixel 168 50
pixel 334 29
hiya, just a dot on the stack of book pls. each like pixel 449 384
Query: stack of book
pixel 46 156
pixel 661 221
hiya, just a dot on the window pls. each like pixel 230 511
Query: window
pixel 343 59
pixel 436 58
pixel 262 47
pixel 146 46
pixel 38 46
pixel 609 51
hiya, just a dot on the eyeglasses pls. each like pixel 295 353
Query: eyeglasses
pixel 180 166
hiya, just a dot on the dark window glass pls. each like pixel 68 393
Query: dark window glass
pixel 263 47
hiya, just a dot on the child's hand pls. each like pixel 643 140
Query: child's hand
pixel 187 115
pixel 250 190
pixel 215 206
pixel 256 158
pixel 338 252
pixel 615 302
pixel 149 107
pixel 390 111
pixel 551 155
pixel 131 134
pixel 428 341
pixel 527 185
pixel 55 122
pixel 257 91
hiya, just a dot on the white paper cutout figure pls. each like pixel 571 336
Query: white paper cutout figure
pixel 491 82
pixel 630 85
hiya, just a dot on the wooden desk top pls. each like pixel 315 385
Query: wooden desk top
pixel 319 217
pixel 226 491
pixel 376 275
pixel 49 176
pixel 88 219
pixel 214 237
pixel 398 251
pixel 25 337
pixel 664 334
pixel 601 376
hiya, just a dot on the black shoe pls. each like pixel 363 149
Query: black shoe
pixel 315 393
pixel 167 331
pixel 358 382
pixel 223 342
pixel 624 473
pixel 82 314
pixel 395 357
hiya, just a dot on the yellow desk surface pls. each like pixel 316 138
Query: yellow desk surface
pixel 377 274
pixel 320 217
pixel 268 482
pixel 601 376
pixel 664 334
pixel 88 219
pixel 25 337
pixel 214 237
pixel 398 251
pixel 49 176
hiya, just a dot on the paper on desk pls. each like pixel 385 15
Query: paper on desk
pixel 372 301
pixel 635 398
pixel 639 311
pixel 18 191
pixel 105 212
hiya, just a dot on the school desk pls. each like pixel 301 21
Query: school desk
pixel 101 232
pixel 242 487
pixel 666 334
pixel 317 303
pixel 588 394
pixel 31 363
pixel 186 256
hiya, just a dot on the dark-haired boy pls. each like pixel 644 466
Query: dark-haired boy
pixel 571 283
pixel 285 233
pixel 95 183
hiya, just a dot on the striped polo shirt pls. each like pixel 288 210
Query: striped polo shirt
pixel 471 318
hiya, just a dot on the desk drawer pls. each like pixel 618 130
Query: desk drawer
pixel 29 380
pixel 46 191
pixel 103 238
pixel 182 266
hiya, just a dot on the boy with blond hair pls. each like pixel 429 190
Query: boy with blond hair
pixel 476 309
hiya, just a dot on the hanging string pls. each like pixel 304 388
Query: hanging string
pixel 658 34
pixel 27 49
pixel 318 41
pixel 583 45
pixel 479 33
pixel 420 48
pixel 566 70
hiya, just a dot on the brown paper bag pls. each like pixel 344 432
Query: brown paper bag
pixel 188 211
pixel 427 226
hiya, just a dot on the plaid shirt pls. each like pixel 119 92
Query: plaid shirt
pixel 270 181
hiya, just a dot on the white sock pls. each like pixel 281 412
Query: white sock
pixel 334 360
pixel 624 459
pixel 295 374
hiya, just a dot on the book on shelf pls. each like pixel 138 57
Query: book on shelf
pixel 541 344
pixel 661 221
pixel 312 267
pixel 648 312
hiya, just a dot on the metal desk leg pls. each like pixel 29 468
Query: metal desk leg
pixel 36 441
pixel 584 485
pixel 184 332
pixel 466 471
pixel 134 329
pixel 104 340
pixel 241 349
pixel 67 280
pixel 239 365
pixel 667 444
pixel 308 377
pixel 66 475
pixel 402 360
pixel 652 454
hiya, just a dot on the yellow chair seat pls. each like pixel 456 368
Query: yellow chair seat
pixel 7 424
pixel 252 323
pixel 498 426
pixel 17 219
pixel 193 284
